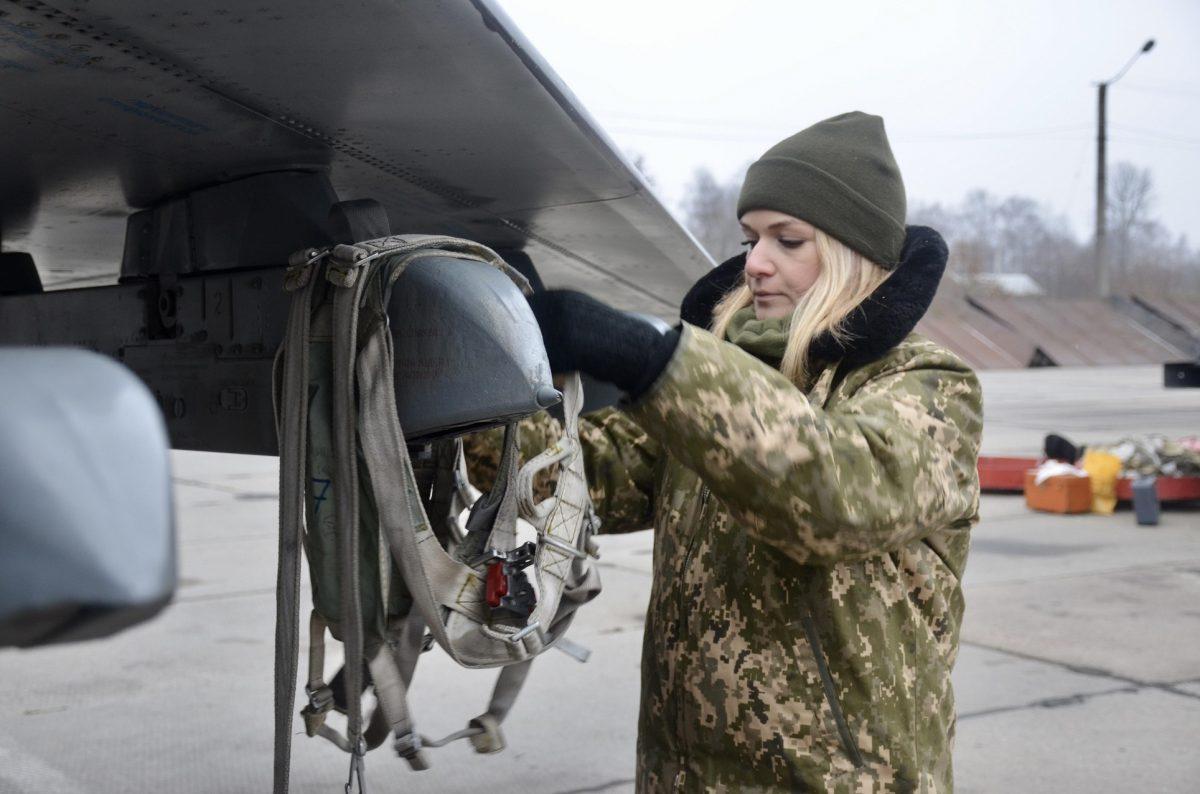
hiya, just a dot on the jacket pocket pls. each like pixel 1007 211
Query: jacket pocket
pixel 814 641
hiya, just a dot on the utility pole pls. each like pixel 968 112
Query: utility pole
pixel 1102 277
pixel 1102 197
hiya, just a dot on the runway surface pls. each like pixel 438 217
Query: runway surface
pixel 1079 669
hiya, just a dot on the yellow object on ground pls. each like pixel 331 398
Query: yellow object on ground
pixel 1104 468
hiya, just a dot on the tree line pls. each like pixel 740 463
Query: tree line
pixel 991 234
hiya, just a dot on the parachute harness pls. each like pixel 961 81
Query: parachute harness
pixel 470 592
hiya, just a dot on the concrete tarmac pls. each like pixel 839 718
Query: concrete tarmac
pixel 1079 668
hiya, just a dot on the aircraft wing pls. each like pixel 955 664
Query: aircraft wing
pixel 440 110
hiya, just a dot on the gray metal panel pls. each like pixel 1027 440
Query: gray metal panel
pixel 1183 310
pixel 210 373
pixel 1153 315
pixel 980 340
pixel 248 223
pixel 439 110
pixel 468 351
pixel 87 541
pixel 1076 332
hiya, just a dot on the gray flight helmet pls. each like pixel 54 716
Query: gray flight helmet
pixel 468 351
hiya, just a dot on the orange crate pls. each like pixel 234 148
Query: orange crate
pixel 1063 494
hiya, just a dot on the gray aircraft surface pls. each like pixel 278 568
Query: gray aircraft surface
pixel 161 161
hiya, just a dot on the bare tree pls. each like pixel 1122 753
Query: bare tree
pixel 1013 234
pixel 710 212
pixel 639 162
pixel 1130 199
pixel 988 234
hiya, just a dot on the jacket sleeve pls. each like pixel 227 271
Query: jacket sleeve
pixel 621 461
pixel 891 463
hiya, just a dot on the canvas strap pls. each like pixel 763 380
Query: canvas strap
pixel 290 392
pixel 447 590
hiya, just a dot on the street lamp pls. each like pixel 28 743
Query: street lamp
pixel 1102 284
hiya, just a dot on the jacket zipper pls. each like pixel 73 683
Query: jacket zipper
pixel 687 558
pixel 814 641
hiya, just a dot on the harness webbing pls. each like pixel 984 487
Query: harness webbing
pixel 345 497
pixel 291 411
pixel 446 584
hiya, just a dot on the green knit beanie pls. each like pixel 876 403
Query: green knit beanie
pixel 840 176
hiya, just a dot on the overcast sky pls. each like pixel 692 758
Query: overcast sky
pixel 995 95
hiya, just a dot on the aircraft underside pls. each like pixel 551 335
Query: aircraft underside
pixel 161 162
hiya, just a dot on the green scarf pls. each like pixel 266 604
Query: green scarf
pixel 763 339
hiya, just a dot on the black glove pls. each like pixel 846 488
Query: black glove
pixel 705 294
pixel 582 334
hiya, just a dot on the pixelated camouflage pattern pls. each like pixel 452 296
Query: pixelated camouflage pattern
pixel 620 458
pixel 806 600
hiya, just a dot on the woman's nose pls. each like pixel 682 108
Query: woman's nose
pixel 758 264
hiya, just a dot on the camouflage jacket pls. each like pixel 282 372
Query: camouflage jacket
pixel 808 551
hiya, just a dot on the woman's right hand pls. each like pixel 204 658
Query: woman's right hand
pixel 586 335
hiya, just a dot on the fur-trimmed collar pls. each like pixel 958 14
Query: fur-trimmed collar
pixel 879 324
pixel 891 313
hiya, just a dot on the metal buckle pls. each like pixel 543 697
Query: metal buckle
pixel 301 265
pixel 507 588
pixel 525 632
pixel 357 768
pixel 320 699
pixel 408 745
pixel 562 545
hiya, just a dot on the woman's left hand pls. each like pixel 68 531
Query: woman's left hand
pixel 699 302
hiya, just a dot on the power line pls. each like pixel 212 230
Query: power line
pixel 1072 192
pixel 1156 144
pixel 1171 92
pixel 722 128
pixel 696 134
pixel 1033 133
pixel 1165 85
pixel 1063 133
pixel 1166 136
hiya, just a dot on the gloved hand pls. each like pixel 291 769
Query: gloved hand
pixel 583 334
pixel 698 304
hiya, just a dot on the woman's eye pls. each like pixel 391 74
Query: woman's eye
pixel 749 243
pixel 791 243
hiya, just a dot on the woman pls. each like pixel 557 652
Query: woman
pixel 809 467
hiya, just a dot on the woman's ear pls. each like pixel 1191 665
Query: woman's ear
pixel 699 302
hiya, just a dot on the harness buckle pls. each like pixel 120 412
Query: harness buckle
pixel 525 632
pixel 346 263
pixel 301 265
pixel 562 545
pixel 320 699
pixel 508 586
pixel 408 746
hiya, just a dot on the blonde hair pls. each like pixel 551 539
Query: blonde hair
pixel 846 279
